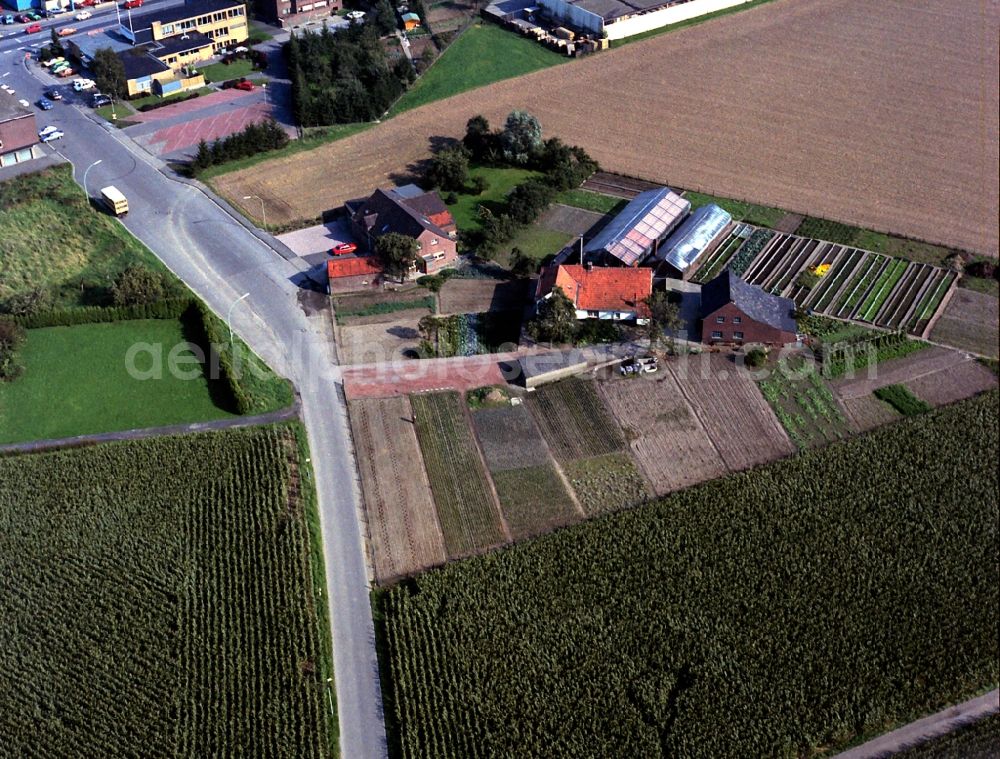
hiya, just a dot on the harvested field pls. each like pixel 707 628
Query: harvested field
pixel 953 384
pixel 476 296
pixel 466 506
pixel 534 500
pixel 574 421
pixel 867 412
pixel 970 322
pixel 379 342
pixel 667 439
pixel 738 420
pixel 813 76
pixel 900 371
pixel 606 483
pixel 509 438
pixel 402 522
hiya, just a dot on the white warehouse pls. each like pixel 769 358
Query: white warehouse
pixel 623 18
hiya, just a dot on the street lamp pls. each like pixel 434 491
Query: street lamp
pixel 229 317
pixel 85 191
pixel 263 213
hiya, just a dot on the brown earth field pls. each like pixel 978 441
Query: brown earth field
pixel 402 522
pixel 884 116
pixel 958 382
pixel 925 363
pixel 476 296
pixel 867 412
pixel 970 321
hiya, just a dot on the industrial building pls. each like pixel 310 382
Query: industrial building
pixel 18 131
pixel 617 19
pixel 637 231
pixel 698 233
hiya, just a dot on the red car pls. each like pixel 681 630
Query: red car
pixel 33 28
pixel 345 248
pixel 246 85
pixel 132 4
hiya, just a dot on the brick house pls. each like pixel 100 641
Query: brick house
pixel 601 292
pixel 18 131
pixel 412 212
pixel 734 313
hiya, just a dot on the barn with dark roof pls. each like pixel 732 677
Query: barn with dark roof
pixel 734 312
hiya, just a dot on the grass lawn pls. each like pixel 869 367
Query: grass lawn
pixel 749 212
pixel 537 242
pixel 485 53
pixel 220 72
pixel 120 110
pixel 500 181
pixel 76 382
pixel 259 33
pixel 54 239
pixel 591 201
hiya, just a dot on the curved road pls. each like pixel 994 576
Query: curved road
pixel 221 259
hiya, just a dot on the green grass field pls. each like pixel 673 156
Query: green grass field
pixel 536 242
pixel 741 211
pixel 159 600
pixel 500 181
pixel 54 239
pixel 591 201
pixel 484 54
pixel 76 383
pixel 220 72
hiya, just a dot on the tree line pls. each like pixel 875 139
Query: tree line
pixel 252 139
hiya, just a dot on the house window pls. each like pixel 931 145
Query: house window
pixel 592 314
pixel 434 241
pixel 737 336
pixel 716 335
pixel 737 320
pixel 720 319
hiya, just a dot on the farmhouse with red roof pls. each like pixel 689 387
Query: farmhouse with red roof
pixel 612 293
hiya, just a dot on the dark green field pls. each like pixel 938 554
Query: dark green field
pixel 158 600
pixel 778 612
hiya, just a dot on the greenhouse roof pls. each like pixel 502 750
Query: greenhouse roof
pixel 693 236
pixel 648 217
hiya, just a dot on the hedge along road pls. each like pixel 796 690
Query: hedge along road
pixel 220 259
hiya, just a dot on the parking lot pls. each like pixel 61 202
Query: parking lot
pixel 313 244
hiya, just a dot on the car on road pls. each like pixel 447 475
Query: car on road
pixel 132 4
pixel 66 31
pixel 98 99
pixel 45 104
pixel 344 249
pixel 83 15
pixel 244 84
pixel 33 28
pixel 50 133
pixel 83 84
pixel 53 95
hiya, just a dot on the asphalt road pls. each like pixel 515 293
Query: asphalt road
pixel 220 259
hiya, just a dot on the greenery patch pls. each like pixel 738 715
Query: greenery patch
pixel 902 399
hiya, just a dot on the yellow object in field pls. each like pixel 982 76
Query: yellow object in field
pixel 820 269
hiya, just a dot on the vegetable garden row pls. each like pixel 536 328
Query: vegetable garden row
pixel 857 284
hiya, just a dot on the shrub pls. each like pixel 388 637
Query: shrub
pixel 756 357
pixel 27 304
pixel 983 269
pixel 11 340
pixel 138 285
pixel 901 399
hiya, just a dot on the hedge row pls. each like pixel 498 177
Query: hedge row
pixel 171 308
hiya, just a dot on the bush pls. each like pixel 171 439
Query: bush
pixel 168 101
pixel 137 286
pixel 756 357
pixel 983 269
pixel 11 340
pixel 901 399
pixel 254 138
pixel 27 304
pixel 170 308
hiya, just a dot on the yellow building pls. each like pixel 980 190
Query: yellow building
pixel 222 21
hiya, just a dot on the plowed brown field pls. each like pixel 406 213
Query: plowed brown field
pixel 883 115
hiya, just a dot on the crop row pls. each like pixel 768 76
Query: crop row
pixel 635 635
pixel 718 259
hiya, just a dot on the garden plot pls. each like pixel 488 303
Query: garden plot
pixel 970 322
pixel 466 507
pixel 716 261
pixel 666 437
pixel 867 412
pixel 587 442
pixel 468 296
pixel 933 369
pixel 402 523
pixel 729 405
pixel 803 403
pixel 859 285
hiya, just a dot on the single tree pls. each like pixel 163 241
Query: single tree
pixel 449 169
pixel 478 137
pixel 137 285
pixel 664 319
pixel 521 137
pixel 555 321
pixel 398 253
pixel 521 264
pixel 109 72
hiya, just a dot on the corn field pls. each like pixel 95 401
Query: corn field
pixel 156 601
pixel 774 612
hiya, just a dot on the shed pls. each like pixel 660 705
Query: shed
pixel 410 21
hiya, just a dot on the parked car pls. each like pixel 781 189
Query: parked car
pixel 642 365
pixel 354 15
pixel 32 28
pixel 83 84
pixel 59 67
pixel 53 61
pixel 9 18
pixel 50 133
pixel 98 99
pixel 87 4
pixel 83 15
pixel 63 73
pixel 244 84
pixel 45 104
pixel 66 31
pixel 132 4
pixel 22 18
pixel 345 248
pixel 33 15
pixel 24 103
pixel 53 95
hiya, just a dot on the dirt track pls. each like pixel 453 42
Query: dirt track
pixel 882 115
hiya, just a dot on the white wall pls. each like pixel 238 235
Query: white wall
pixel 575 18
pixel 638 24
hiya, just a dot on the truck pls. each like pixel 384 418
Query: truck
pixel 115 201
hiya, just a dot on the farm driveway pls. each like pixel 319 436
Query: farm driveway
pixel 816 106
pixel 317 240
